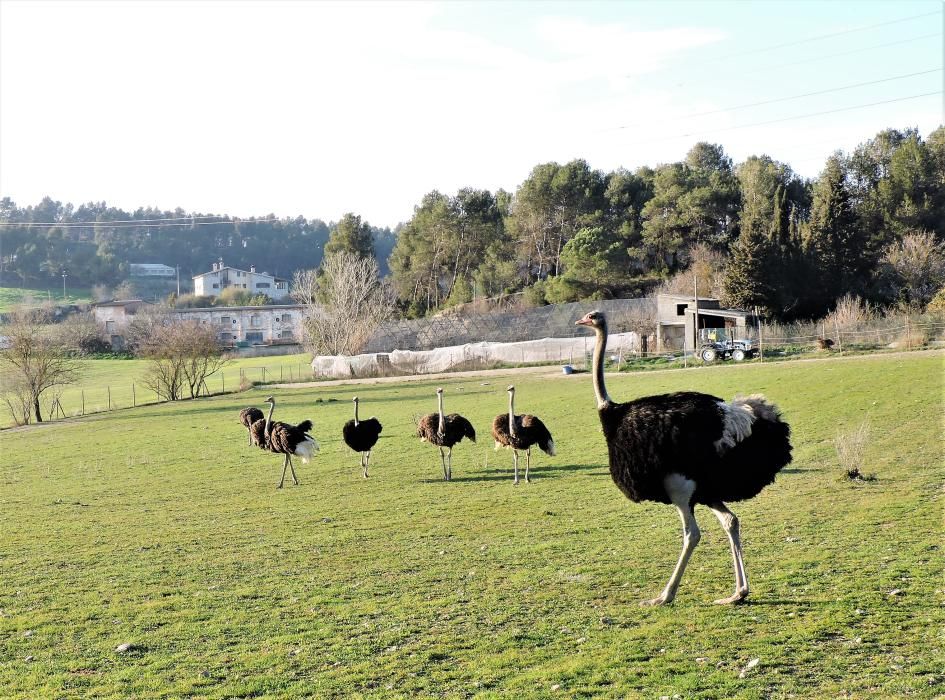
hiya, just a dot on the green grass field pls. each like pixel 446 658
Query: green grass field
pixel 118 383
pixel 159 527
pixel 12 296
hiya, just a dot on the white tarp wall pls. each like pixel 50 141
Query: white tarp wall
pixel 470 356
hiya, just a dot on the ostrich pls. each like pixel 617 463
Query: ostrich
pixel 687 448
pixel 520 433
pixel 248 416
pixel 361 436
pixel 286 439
pixel 445 431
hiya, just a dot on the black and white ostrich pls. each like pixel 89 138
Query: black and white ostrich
pixel 285 439
pixel 521 433
pixel 248 416
pixel 361 436
pixel 444 431
pixel 687 448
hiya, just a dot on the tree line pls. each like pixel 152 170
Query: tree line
pixel 759 235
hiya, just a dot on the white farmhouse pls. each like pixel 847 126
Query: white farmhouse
pixel 222 277
pixel 243 326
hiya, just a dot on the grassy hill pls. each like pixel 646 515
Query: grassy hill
pixel 12 296
pixel 159 527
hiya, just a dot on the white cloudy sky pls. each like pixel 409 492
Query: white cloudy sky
pixel 316 108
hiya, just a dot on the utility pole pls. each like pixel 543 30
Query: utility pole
pixel 64 275
pixel 178 280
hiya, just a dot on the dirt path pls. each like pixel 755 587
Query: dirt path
pixel 554 371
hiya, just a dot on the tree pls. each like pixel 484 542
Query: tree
pixel 182 355
pixel 351 235
pixel 746 282
pixel 36 359
pixel 345 302
pixel 915 268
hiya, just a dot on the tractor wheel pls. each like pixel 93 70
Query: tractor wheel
pixel 738 355
pixel 708 354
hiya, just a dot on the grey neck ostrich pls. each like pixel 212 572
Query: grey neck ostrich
pixel 520 433
pixel 361 436
pixel 444 431
pixel 286 439
pixel 687 448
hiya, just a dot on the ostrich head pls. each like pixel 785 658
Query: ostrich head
pixel 269 399
pixel 440 390
pixel 355 399
pixel 594 319
pixel 511 389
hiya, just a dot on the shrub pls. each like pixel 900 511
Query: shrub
pixel 851 451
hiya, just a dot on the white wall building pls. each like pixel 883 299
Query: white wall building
pixel 151 270
pixel 116 315
pixel 222 277
pixel 250 325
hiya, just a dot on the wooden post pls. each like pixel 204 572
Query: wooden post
pixel 134 400
pixel 109 397
pixel 83 402
pixel 836 327
pixel 264 375
pixel 280 373
pixel 223 382
pixel 908 335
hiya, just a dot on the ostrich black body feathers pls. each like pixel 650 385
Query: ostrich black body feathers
pixel 456 428
pixel 363 436
pixel 529 431
pixel 684 433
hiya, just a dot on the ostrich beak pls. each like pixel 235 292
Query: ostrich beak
pixel 583 322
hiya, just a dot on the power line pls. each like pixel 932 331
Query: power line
pixel 784 119
pixel 819 37
pixel 140 223
pixel 785 99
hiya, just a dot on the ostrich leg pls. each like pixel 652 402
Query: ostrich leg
pixel 285 465
pixel 443 462
pixel 730 524
pixel 364 461
pixel 292 468
pixel 449 464
pixel 528 463
pixel 250 438
pixel 680 490
pixel 515 466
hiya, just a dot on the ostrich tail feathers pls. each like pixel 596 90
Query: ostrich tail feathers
pixel 306 449
pixel 549 447
pixel 305 426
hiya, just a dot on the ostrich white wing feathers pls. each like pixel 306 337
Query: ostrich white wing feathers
pixel 306 449
pixel 737 418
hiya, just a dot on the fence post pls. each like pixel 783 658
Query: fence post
pixel 280 373
pixel 761 342
pixel 134 400
pixel 836 327
pixel 109 397
pixel 264 375
pixel 908 335
pixel 223 382
pixel 83 402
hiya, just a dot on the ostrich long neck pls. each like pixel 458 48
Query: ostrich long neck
pixel 355 413
pixel 512 414
pixel 441 426
pixel 272 407
pixel 599 389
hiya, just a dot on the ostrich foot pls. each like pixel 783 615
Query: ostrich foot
pixel 662 600
pixel 737 597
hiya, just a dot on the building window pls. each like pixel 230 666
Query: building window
pixel 255 321
pixel 262 285
pixel 254 337
pixel 280 285
pixel 286 335
pixel 286 318
pixel 224 320
pixel 109 326
pixel 216 286
pixel 681 309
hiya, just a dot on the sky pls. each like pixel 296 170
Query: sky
pixel 318 109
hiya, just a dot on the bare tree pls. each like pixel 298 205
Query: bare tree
pixel 345 302
pixel 34 360
pixel 83 334
pixel 916 267
pixel 182 356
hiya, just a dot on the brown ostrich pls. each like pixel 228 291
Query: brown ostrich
pixel 687 448
pixel 445 431
pixel 285 439
pixel 521 433
pixel 248 416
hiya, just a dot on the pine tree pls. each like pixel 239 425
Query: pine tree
pixel 746 284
